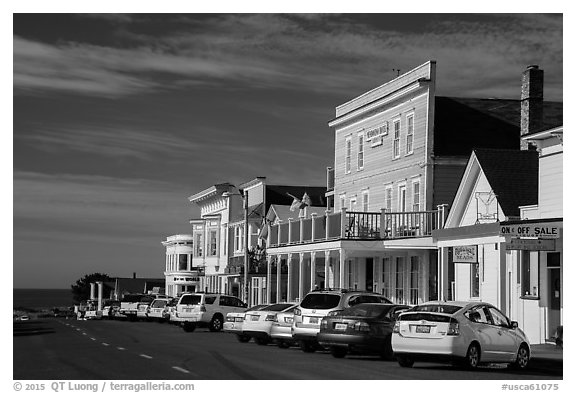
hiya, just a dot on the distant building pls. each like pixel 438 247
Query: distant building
pixel 120 286
pixel 183 273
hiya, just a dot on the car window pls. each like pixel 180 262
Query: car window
pixel 361 299
pixel 369 310
pixel 277 307
pixel 158 303
pixel 191 299
pixel 498 318
pixel 477 315
pixel 257 307
pixel 320 301
pixel 441 308
pixel 209 299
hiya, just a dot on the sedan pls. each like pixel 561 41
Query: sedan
pixel 281 330
pixel 258 324
pixel 468 333
pixel 235 321
pixel 365 328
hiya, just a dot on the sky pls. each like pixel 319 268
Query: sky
pixel 119 118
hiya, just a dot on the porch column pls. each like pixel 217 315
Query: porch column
pixel 289 283
pixel 269 279
pixel 327 270
pixel 278 278
pixel 301 271
pixel 443 284
pixel 313 229
pixel 342 270
pixel 312 270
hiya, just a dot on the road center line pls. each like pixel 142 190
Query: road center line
pixel 120 348
pixel 105 344
pixel 145 356
pixel 92 338
pixel 84 334
pixel 182 370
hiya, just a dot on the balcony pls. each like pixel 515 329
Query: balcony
pixel 344 225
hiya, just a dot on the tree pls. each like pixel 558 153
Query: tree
pixel 81 290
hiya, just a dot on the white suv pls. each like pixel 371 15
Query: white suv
pixel 206 309
pixel 317 304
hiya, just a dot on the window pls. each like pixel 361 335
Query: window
pixel 498 318
pixel 433 277
pixel 530 262
pixel 198 244
pixel 238 238
pixel 360 151
pixel 209 299
pixel 414 275
pixel 402 198
pixel 410 134
pixel 474 280
pixel 348 155
pixel 213 248
pixel 352 204
pixel 396 145
pixel 386 277
pixel 388 198
pixel 365 201
pixel 416 196
pixel 342 201
pixel 478 314
pixel 400 280
pixel 182 262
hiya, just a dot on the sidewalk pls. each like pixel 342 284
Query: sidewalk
pixel 547 358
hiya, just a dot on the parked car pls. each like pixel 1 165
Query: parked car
pixel 364 328
pixel 468 333
pixel 157 310
pixel 129 305
pixel 111 309
pixel 317 304
pixel 281 330
pixel 206 309
pixel 235 321
pixel 258 323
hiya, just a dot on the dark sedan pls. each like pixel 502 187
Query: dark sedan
pixel 365 328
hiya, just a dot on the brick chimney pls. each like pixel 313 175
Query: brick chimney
pixel 134 275
pixel 531 102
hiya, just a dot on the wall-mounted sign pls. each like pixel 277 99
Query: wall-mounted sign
pixel 536 230
pixel 377 132
pixel 530 244
pixel 465 254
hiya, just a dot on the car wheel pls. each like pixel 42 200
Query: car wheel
pixel 216 323
pixel 307 346
pixel 189 326
pixel 472 359
pixel 283 344
pixel 405 361
pixel 262 340
pixel 338 352
pixel 243 338
pixel 522 358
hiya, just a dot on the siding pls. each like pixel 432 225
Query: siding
pixel 550 186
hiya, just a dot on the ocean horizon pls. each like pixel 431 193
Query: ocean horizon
pixel 42 298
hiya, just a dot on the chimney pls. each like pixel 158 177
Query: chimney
pixel 531 102
pixel 134 275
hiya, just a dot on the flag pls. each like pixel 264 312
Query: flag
pixel 305 201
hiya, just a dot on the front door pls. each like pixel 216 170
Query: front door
pixel 554 293
pixel 369 274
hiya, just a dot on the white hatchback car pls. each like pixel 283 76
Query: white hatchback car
pixel 468 333
pixel 235 321
pixel 258 323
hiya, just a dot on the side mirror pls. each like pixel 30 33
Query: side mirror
pixel 514 325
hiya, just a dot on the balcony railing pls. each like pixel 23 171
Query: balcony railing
pixel 356 225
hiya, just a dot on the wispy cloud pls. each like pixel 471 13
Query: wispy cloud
pixel 284 51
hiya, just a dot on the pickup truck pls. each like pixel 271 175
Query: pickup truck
pixel 129 305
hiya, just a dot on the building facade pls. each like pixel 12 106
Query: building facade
pixel 182 271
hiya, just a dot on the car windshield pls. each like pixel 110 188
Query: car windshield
pixel 441 308
pixel 366 310
pixel 158 303
pixel 320 301
pixel 191 299
pixel 277 307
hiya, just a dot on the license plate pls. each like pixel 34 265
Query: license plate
pixel 313 320
pixel 187 310
pixel 288 319
pixel 422 329
pixel 255 317
pixel 340 326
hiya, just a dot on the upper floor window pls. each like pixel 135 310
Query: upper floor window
pixel 237 238
pixel 360 151
pixel 213 239
pixel 396 143
pixel 416 196
pixel 348 167
pixel 402 198
pixel 198 245
pixel 342 201
pixel 353 204
pixel 410 134
pixel 388 198
pixel 182 261
pixel 365 201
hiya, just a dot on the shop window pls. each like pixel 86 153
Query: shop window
pixel 474 280
pixel 530 263
pixel 414 275
pixel 182 261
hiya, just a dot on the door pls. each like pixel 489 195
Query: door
pixel 369 274
pixel 554 293
pixel 505 340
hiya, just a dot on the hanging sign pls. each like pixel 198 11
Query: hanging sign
pixel 535 230
pixel 465 254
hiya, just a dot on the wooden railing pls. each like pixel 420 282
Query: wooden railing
pixel 357 225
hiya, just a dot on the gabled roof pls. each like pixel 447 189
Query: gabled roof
pixel 464 124
pixel 513 176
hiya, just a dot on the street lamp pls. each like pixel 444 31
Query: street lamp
pixel 244 196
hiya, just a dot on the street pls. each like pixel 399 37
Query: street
pixel 121 350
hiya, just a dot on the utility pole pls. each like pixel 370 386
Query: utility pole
pixel 246 256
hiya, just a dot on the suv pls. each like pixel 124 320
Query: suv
pixel 201 309
pixel 317 304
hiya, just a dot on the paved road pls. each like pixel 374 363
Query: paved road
pixel 54 349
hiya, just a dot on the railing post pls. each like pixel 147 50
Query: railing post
pixel 269 235
pixel 279 232
pixel 301 230
pixel 290 219
pixel 343 223
pixel 443 208
pixel 383 223
pixel 326 215
pixel 313 229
